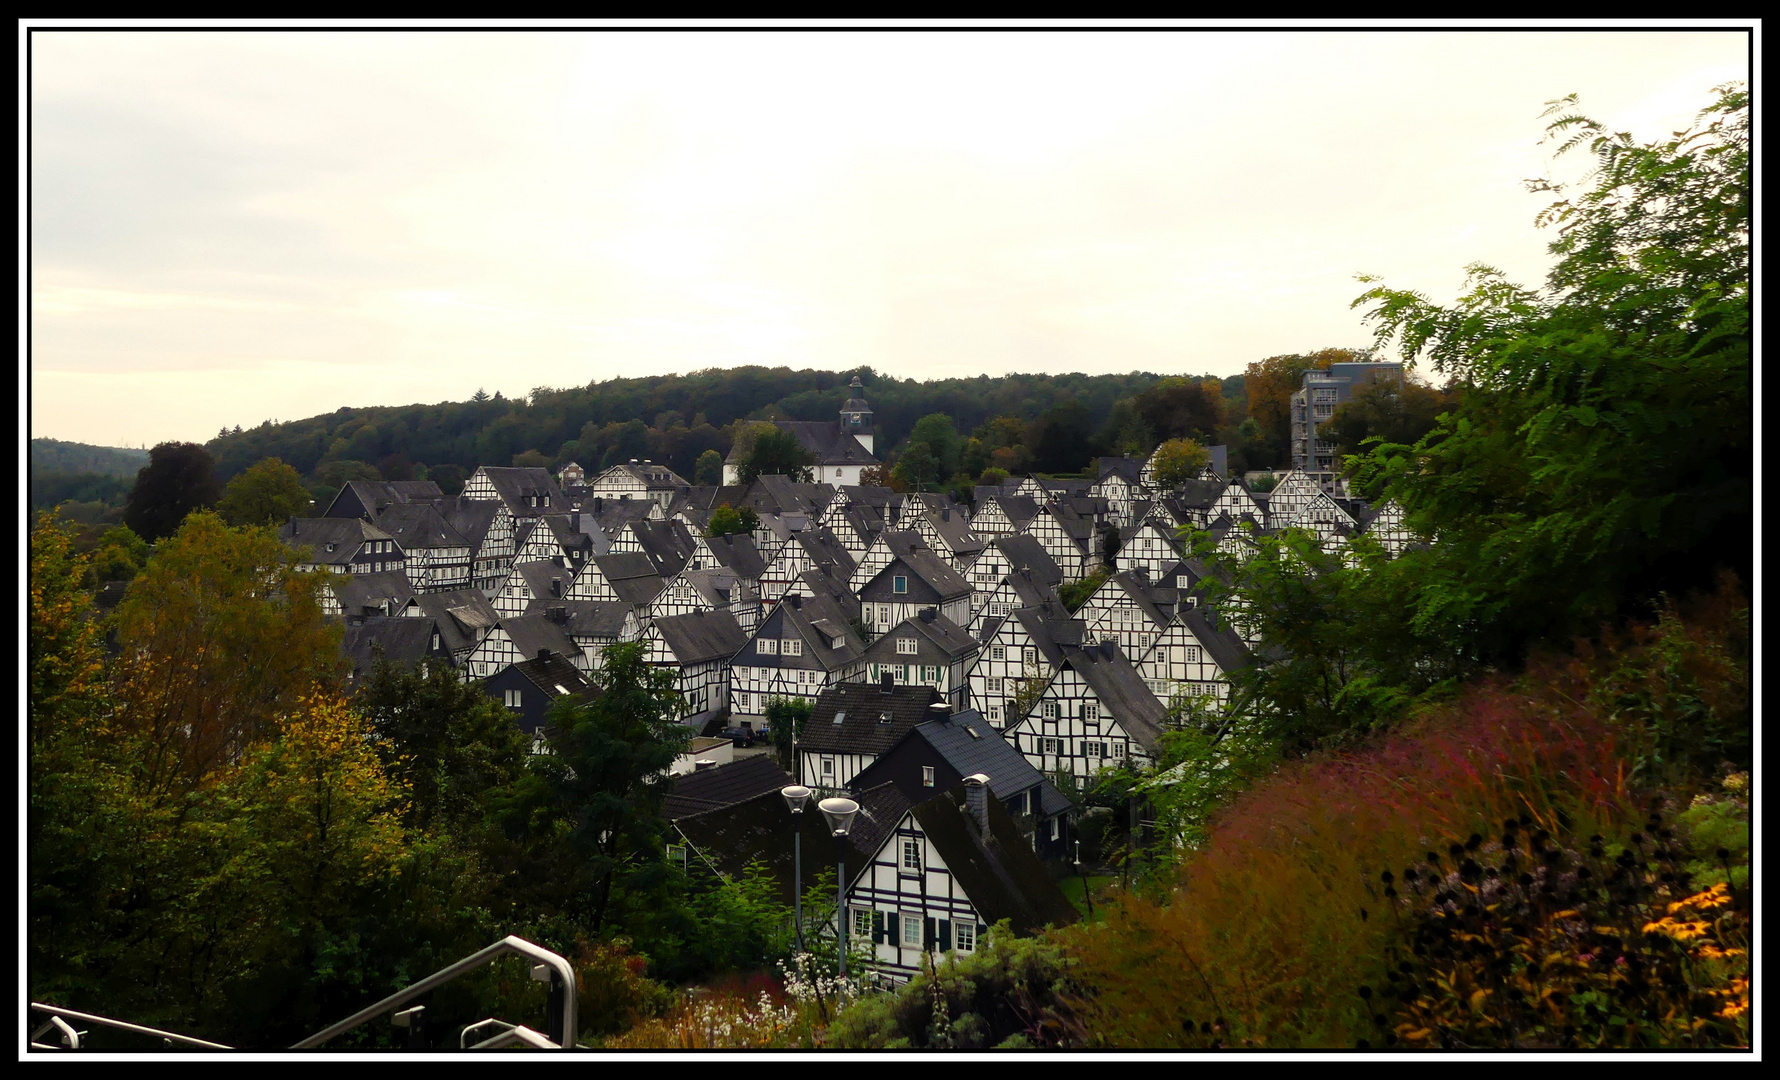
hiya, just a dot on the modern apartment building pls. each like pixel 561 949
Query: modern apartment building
pixel 1315 403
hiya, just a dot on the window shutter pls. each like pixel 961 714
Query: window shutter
pixel 928 935
pixel 945 935
pixel 877 928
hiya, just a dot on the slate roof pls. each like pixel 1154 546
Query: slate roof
pixel 827 552
pixel 613 515
pixel 1020 509
pixel 955 531
pixel 539 575
pixel 356 592
pixel 859 707
pixel 817 619
pixel 460 614
pixel 1122 693
pixel 826 439
pixel 967 743
pixel 668 544
pixel 346 534
pixel 941 582
pixel 726 785
pixel 472 518
pixel 1221 643
pixel 405 643
pixel 554 677
pixel 1197 493
pixel 1031 591
pixel 529 633
pixel 701 636
pixel 999 872
pixel 513 485
pixel 820 584
pixel 1052 630
pixel 1024 552
pixel 378 495
pixel 938 640
pixel 760 829
pixel 1128 468
pixel 737 553
pixel 417 526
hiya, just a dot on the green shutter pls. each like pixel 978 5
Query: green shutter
pixel 927 934
pixel 945 935
pixel 877 927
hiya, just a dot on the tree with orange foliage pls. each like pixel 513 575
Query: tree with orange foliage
pixel 1272 382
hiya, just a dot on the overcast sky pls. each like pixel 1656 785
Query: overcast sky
pixel 232 227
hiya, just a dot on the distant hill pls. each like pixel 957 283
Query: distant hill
pixel 54 455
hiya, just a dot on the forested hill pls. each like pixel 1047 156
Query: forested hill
pixel 54 455
pixel 670 418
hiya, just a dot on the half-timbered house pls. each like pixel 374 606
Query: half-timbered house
pixel 913 580
pixel 928 650
pixel 1019 654
pixel 852 723
pixel 1194 657
pixel 1097 712
pixel 343 545
pixel 522 637
pixel 698 647
pixel 804 646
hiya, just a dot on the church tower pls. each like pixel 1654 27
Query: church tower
pixel 856 415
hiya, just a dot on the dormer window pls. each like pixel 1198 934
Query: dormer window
pixel 899 584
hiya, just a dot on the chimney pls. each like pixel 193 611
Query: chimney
pixel 945 514
pixel 575 521
pixel 557 614
pixel 886 684
pixel 543 654
pixel 1106 650
pixel 927 614
pixel 976 801
pixel 795 600
pixel 556 587
pixel 598 504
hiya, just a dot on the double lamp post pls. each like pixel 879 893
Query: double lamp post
pixel 839 813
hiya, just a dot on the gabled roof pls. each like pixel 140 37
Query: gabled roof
pixel 654 475
pixel 737 552
pixel 460 614
pixel 538 576
pixel 968 744
pixel 613 515
pixel 389 590
pixel 760 829
pixel 860 708
pixel 826 551
pixel 868 494
pixel 375 496
pixel 1024 552
pixel 725 785
pixel 1052 629
pixel 585 618
pixel 701 636
pixel 939 640
pixel 668 544
pixel 820 584
pixel 1030 591
pixel 828 441
pixel 923 566
pixel 954 530
pixel 998 872
pixel 416 526
pixel 404 642
pixel 346 534
pixel 529 633
pixel 472 518
pixel 1196 493
pixel 1020 509
pixel 1126 468
pixel 1156 602
pixel 1122 693
pixel 1221 643
pixel 819 620
pixel 554 677
pixel 514 485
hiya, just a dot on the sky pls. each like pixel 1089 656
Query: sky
pixel 231 227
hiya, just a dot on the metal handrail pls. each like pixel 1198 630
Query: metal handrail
pixel 516 1034
pixel 56 1012
pixel 508 944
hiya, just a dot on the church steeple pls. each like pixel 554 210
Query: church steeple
pixel 856 417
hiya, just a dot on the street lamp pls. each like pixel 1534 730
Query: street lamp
pixel 840 813
pixel 795 797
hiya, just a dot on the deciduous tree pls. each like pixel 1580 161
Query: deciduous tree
pixel 179 478
pixel 266 494
pixel 1179 460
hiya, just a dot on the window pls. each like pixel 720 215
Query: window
pixel 929 673
pixel 1192 654
pixel 964 936
pixel 995 686
pixel 1029 655
pixel 861 923
pixel 911 853
pixel 995 715
pixel 906 646
pixel 827 766
pixel 1048 710
pixel 1118 750
pixel 911 931
pixel 1056 828
pixel 1052 746
pixel 767 646
pixel 676 854
pixel 899 584
pixel 513 699
pixel 926 776
pixel 1090 710
pixel 1093 748
pixel 791 647
pixel 998 652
